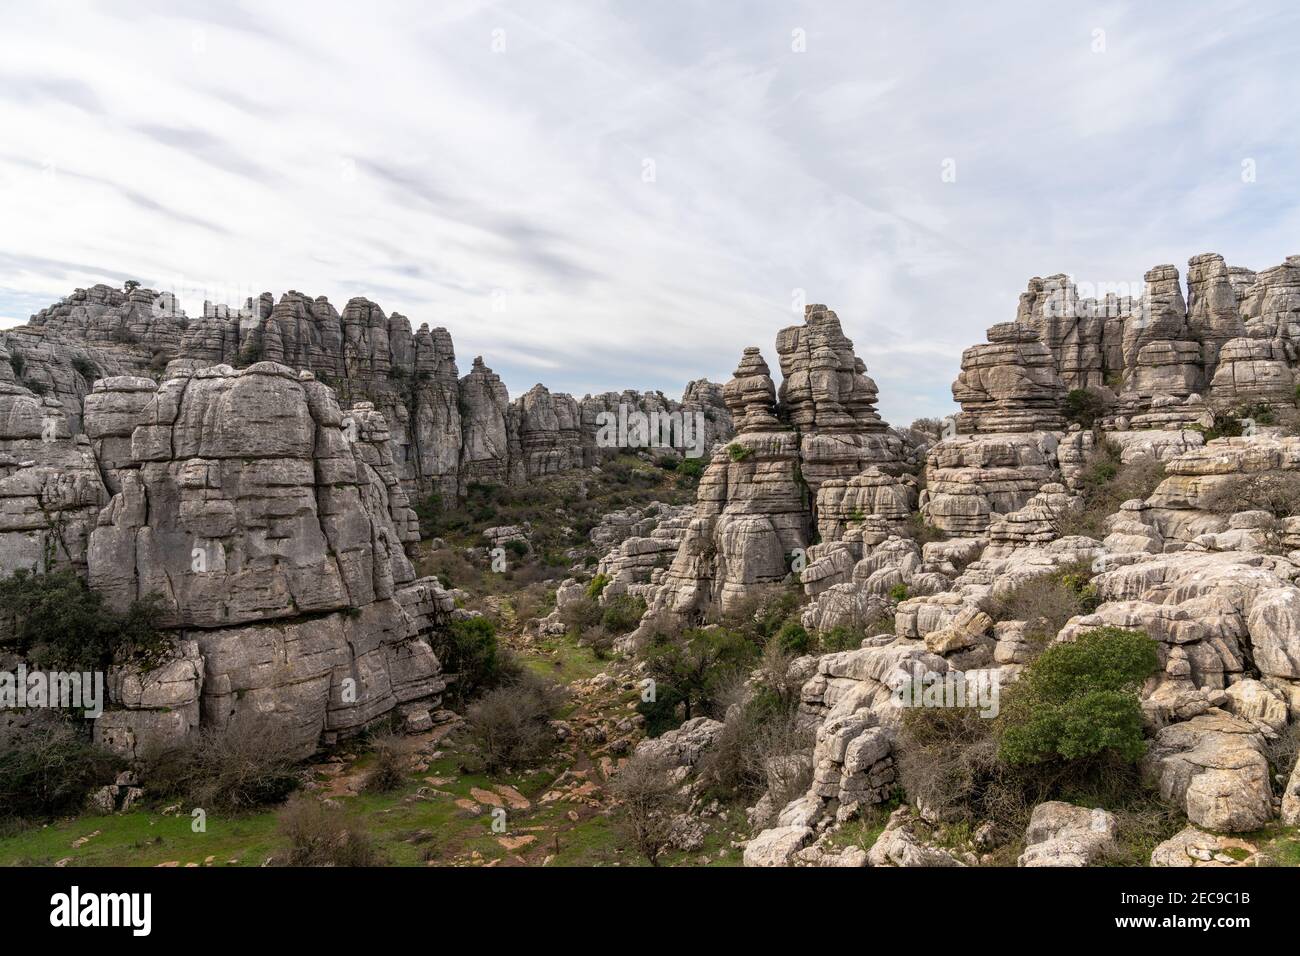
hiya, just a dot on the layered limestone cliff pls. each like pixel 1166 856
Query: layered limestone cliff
pixel 446 430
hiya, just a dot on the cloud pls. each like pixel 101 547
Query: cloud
pixel 607 197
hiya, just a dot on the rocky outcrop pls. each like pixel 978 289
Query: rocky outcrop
pixel 1061 834
pixel 272 526
pixel 50 485
pixel 1009 385
pixel 446 430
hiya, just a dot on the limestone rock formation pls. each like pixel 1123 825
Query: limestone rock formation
pixel 446 430
pixel 272 525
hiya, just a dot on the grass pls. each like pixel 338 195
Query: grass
pixel 409 827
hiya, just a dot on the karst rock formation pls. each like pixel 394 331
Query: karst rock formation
pixel 256 468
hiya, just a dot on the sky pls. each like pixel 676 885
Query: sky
pixel 614 195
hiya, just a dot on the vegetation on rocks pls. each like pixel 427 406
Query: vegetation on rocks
pixel 55 621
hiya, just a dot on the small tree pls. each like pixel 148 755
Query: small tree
pixel 694 666
pixel 1079 700
pixel 1084 407
pixel 648 799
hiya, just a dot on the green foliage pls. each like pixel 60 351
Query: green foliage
pixel 18 364
pixel 58 623
pixel 517 547
pixel 690 468
pixel 622 614
pixel 793 638
pixel 596 585
pixel 85 368
pixel 739 452
pixel 468 649
pixel 839 638
pixel 1079 700
pixel 921 531
pixel 1084 407
pixel 692 668
pixel 428 510
pixel 48 767
pixel 1108 483
pixel 898 592
pixel 1231 424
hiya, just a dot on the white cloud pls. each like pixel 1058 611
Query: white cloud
pixel 388 151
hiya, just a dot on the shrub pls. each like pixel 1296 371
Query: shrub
pixel 1084 407
pixel 622 614
pixel 85 368
pixel 1079 700
pixel 35 386
pixel 1232 424
pixel 48 767
pixel 509 728
pixel 18 364
pixel 839 638
pixel 759 749
pixel 898 592
pixel 947 759
pixel 647 801
pixel 792 638
pixel 596 585
pixel 517 547
pixel 57 622
pixel 739 452
pixel 470 657
pixel 1047 602
pixel 1277 492
pixel 690 468
pixel 240 767
pixel 388 770
pixel 1107 483
pixel 429 512
pixel 921 531
pixel 692 668
pixel 581 615
pixel 320 835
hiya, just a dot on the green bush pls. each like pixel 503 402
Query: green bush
pixel 429 512
pixel 517 547
pixel 739 452
pixel 596 585
pixel 1079 700
pixel 793 638
pixel 690 669
pixel 690 468
pixel 468 650
pixel 19 365
pixel 56 622
pixel 1107 483
pixel 898 592
pixel 622 614
pixel 48 767
pixel 839 639
pixel 85 368
pixel 1084 406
